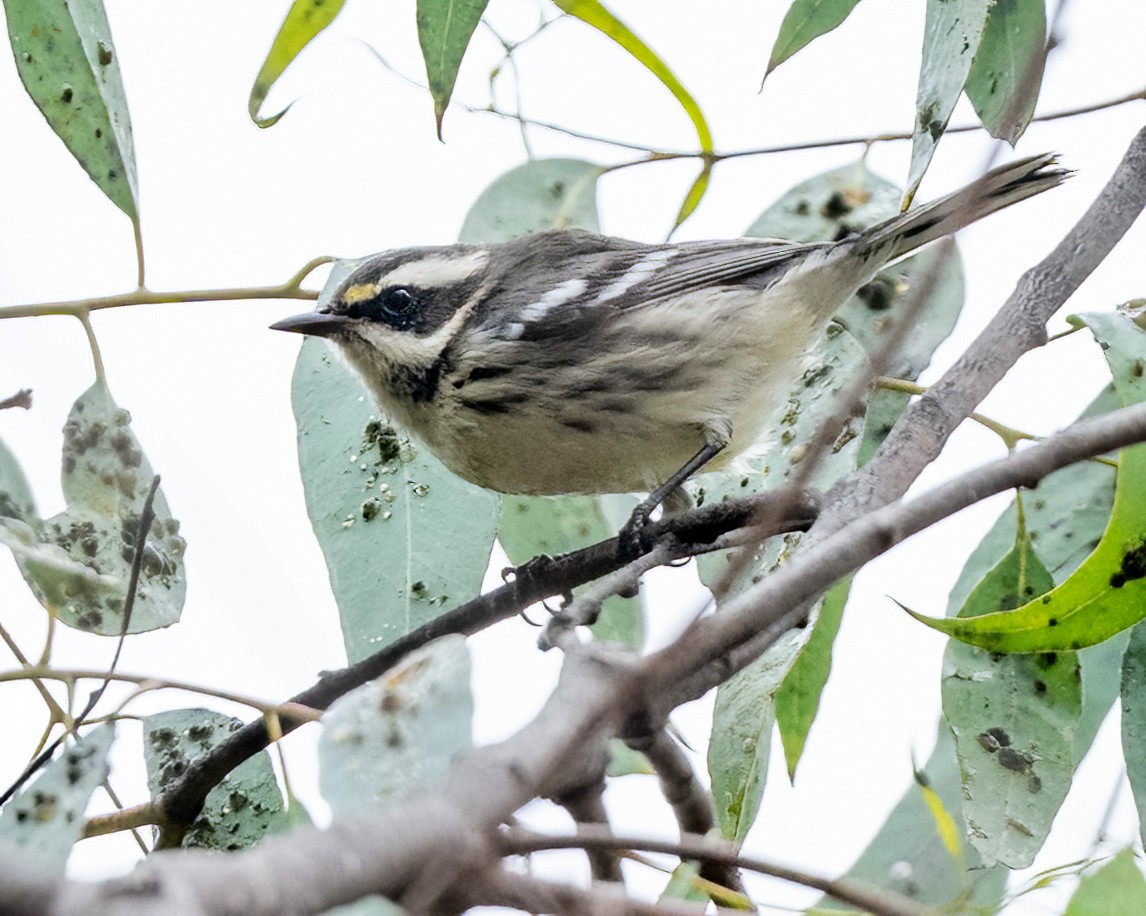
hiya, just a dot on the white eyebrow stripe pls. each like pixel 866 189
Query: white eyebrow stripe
pixel 559 295
pixel 644 269
pixel 435 270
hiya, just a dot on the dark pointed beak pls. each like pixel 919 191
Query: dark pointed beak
pixel 319 323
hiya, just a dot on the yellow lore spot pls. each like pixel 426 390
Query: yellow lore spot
pixel 359 292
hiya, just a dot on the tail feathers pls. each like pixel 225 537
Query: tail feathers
pixel 1008 184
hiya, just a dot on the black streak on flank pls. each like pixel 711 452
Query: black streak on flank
pixel 583 426
pixel 493 405
pixel 920 227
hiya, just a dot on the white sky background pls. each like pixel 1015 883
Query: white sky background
pixel 353 168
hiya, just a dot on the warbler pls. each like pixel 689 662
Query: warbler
pixel 571 362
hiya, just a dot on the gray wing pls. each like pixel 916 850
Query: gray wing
pixel 563 281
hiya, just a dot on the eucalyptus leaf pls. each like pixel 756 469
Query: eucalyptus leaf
pixel 1014 718
pixel 541 194
pixel 16 499
pixel 805 21
pixel 400 731
pixel 1133 697
pixel 1007 73
pixel 243 808
pixel 304 20
pixel 78 562
pixel 1106 594
pixel 46 819
pixel 444 31
pixel 1116 887
pixel 952 32
pixel 67 62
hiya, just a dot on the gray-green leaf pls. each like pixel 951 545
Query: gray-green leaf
pixel 46 819
pixel 541 194
pixel 399 731
pixel 78 562
pixel 68 64
pixel 243 808
pixel 951 36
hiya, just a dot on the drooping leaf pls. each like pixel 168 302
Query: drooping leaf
pixel 951 36
pixel 45 820
pixel 1014 718
pixel 742 739
pixel 78 562
pixel 304 20
pixel 67 62
pixel 694 195
pixel 404 539
pixel 1007 73
pixel 1065 518
pixel 596 15
pixel 1106 594
pixel 242 809
pixel 685 884
pixel 1133 697
pixel 541 194
pixel 399 731
pixel 798 699
pixel 16 499
pixel 1116 887
pixel 530 526
pixel 805 21
pixel 444 31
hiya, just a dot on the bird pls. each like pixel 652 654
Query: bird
pixel 568 362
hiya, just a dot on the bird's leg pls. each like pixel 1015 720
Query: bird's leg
pixel 632 542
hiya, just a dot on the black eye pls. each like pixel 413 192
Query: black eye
pixel 395 306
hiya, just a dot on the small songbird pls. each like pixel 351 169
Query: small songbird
pixel 569 362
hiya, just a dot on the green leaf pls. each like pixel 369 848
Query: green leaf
pixel 685 884
pixel 404 539
pixel 78 562
pixel 444 31
pixel 1014 718
pixel 1007 73
pixel 1106 594
pixel 742 739
pixel 532 526
pixel 242 809
pixel 596 15
pixel 304 20
pixel 1117 887
pixel 951 36
pixel 1134 719
pixel 624 761
pixel 399 731
pixel 798 699
pixel 46 819
pixel 541 194
pixel 16 499
pixel 805 21
pixel 67 62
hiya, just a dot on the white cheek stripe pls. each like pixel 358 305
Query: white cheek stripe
pixel 559 295
pixel 645 268
pixel 435 271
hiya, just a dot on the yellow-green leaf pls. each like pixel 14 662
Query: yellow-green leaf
pixel 596 15
pixel 444 31
pixel 1107 593
pixel 304 20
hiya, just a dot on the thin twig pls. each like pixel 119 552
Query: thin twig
pixel 691 846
